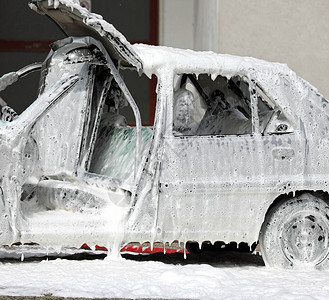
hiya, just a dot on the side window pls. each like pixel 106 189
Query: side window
pixel 266 109
pixel 203 106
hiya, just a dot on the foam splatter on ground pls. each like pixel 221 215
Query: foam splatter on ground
pixel 209 276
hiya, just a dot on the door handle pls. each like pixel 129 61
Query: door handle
pixel 283 153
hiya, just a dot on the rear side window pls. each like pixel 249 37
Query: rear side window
pixel 203 106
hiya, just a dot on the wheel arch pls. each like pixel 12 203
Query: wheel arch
pixel 283 236
pixel 324 195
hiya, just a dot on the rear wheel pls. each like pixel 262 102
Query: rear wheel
pixel 295 233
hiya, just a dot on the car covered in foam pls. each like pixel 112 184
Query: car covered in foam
pixel 238 151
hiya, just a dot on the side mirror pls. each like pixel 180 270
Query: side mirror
pixel 281 128
pixel 278 124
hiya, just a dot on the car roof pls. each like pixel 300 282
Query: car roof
pixel 184 60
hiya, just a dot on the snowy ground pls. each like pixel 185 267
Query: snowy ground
pixel 210 276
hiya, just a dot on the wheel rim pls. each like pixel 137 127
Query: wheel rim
pixel 304 239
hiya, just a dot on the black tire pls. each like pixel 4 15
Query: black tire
pixel 295 234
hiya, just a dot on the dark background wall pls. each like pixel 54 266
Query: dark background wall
pixel 25 35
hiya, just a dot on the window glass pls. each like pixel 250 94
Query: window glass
pixel 203 106
pixel 142 89
pixel 265 109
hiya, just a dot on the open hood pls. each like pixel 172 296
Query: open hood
pixel 78 21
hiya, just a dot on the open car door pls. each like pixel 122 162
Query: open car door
pixel 77 21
